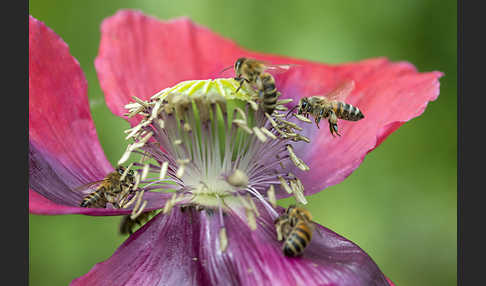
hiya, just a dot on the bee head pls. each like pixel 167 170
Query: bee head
pixel 290 209
pixel 304 104
pixel 120 169
pixel 238 64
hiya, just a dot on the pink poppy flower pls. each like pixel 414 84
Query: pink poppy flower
pixel 193 156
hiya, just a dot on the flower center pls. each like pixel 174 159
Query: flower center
pixel 212 146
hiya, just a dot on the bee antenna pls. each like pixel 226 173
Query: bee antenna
pixel 225 69
pixel 290 111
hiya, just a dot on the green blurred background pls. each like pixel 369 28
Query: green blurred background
pixel 399 205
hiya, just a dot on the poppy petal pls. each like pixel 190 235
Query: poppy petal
pixel 389 94
pixel 64 151
pixel 256 258
pixel 159 253
pixel 183 248
pixel 140 55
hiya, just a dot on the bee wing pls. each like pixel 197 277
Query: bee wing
pixel 279 68
pixel 342 91
pixel 88 186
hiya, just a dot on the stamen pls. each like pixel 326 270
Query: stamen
pixel 259 134
pixel 182 167
pixel 253 105
pixel 137 210
pixel 145 171
pixel 284 101
pixel 268 133
pixel 238 179
pixel 300 137
pixel 284 184
pixel 302 118
pixel 161 123
pixel 125 173
pixel 196 145
pixel 163 170
pixel 170 203
pixel 134 112
pixel 243 115
pixel 125 156
pixel 141 102
pixel 299 196
pixel 223 239
pixel 291 124
pixel 250 215
pixel 271 196
pixel 137 181
pixel 297 161
pixel 187 127
pixel 140 210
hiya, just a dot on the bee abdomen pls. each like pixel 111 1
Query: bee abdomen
pixel 270 93
pixel 297 240
pixel 347 111
pixel 94 199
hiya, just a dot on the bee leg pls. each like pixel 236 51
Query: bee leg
pixel 241 80
pixel 333 127
pixel 317 120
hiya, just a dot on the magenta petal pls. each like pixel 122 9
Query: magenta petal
pixel 64 150
pixel 59 116
pixel 389 94
pixel 183 248
pixel 140 55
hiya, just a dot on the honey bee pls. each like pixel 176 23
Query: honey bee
pixel 254 73
pixel 329 107
pixel 128 225
pixel 108 190
pixel 295 228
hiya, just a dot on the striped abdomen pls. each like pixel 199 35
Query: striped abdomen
pixel 269 91
pixel 94 200
pixel 298 239
pixel 346 111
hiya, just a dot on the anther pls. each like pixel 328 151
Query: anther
pixel 238 178
pixel 302 118
pixel 268 133
pixel 271 196
pixel 145 171
pixel 284 184
pixel 124 175
pixel 141 102
pixel 163 170
pixel 297 161
pixel 223 239
pixel 259 134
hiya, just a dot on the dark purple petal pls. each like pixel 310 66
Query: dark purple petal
pixel 160 253
pixel 256 258
pixel 183 248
